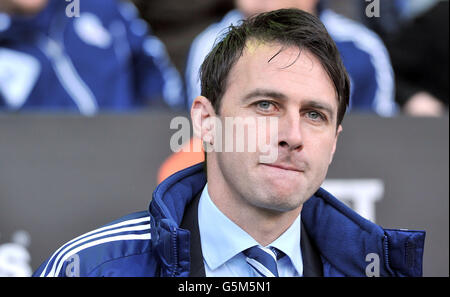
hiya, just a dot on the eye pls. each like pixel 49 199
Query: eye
pixel 265 105
pixel 315 116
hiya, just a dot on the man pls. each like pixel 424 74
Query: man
pixel 83 57
pixel 362 51
pixel 246 216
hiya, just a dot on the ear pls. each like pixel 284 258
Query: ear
pixel 338 131
pixel 203 116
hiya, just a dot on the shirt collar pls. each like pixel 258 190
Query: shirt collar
pixel 222 239
pixel 289 243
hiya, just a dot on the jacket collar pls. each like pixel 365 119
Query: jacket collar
pixel 170 198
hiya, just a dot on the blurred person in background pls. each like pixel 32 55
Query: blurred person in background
pixel 419 50
pixel 82 56
pixel 392 14
pixel 363 53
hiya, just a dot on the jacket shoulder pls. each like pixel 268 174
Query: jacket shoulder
pixel 109 250
pixel 346 240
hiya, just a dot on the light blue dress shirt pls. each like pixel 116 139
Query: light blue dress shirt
pixel 223 242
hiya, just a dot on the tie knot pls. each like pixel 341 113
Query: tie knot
pixel 263 259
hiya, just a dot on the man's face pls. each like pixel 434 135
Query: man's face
pixel 22 6
pixel 296 90
pixel 252 7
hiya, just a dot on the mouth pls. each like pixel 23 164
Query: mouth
pixel 283 167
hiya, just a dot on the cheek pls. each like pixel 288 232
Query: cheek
pixel 267 139
pixel 321 151
pixel 249 136
pixel 235 163
pixel 238 171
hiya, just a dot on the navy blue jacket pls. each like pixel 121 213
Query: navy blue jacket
pixel 102 59
pixel 152 243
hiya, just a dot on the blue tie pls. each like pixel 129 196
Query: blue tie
pixel 263 260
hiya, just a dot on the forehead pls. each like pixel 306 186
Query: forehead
pixel 294 72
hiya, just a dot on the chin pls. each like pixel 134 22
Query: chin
pixel 281 206
pixel 282 189
pixel 281 201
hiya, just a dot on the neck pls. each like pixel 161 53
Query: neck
pixel 262 224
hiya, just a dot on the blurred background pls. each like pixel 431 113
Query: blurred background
pixel 88 90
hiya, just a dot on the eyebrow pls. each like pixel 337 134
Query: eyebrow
pixel 264 93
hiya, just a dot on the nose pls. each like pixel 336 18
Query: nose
pixel 290 136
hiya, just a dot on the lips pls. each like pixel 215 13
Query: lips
pixel 285 167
